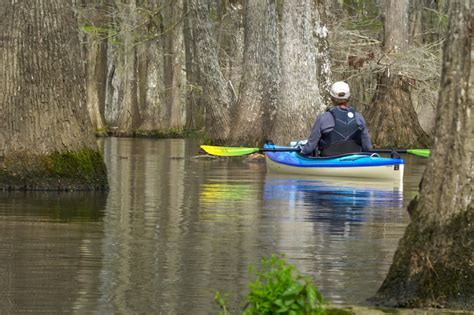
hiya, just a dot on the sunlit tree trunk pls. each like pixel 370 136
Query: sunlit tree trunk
pixel 391 117
pixel 299 96
pixel 150 87
pixel 433 265
pixel 217 97
pixel 324 72
pixel 46 136
pixel 259 84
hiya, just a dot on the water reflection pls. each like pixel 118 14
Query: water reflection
pixel 49 258
pixel 337 202
pixel 172 230
pixel 326 225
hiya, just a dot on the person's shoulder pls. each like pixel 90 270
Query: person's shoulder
pixel 359 116
pixel 325 115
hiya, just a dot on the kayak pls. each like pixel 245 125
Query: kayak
pixel 357 165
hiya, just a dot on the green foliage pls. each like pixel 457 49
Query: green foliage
pixel 280 289
pixel 220 300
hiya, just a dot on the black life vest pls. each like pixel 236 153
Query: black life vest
pixel 346 135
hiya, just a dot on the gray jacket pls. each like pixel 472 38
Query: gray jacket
pixel 325 123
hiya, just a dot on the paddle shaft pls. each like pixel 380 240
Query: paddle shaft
pixel 387 151
pixel 298 150
pixel 239 151
pixel 279 150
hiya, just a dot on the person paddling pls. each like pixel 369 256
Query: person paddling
pixel 341 129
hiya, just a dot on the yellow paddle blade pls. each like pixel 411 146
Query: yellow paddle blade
pixel 228 151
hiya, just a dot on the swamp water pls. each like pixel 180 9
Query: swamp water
pixel 173 230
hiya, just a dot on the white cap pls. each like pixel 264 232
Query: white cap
pixel 340 90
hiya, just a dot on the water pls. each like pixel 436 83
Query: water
pixel 173 230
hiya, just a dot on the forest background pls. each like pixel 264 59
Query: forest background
pixel 243 72
pixel 240 72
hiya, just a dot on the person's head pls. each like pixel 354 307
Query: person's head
pixel 340 93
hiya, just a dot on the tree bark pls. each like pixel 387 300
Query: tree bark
pixel 324 72
pixel 396 26
pixel 433 265
pixel 150 71
pixel 125 112
pixel 230 39
pixel 416 23
pixel 217 97
pixel 299 97
pixel 96 24
pixel 46 136
pixel 260 78
pixel 392 119
pixel 194 112
pixel 173 63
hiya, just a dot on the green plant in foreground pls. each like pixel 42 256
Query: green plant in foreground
pixel 279 289
pixel 220 300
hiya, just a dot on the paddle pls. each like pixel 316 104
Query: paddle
pixel 419 152
pixel 240 151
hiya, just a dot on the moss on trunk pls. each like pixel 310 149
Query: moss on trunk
pixel 60 171
pixel 433 266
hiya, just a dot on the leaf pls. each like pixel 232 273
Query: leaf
pixel 301 301
pixel 284 309
pixel 293 290
pixel 278 302
pixel 289 302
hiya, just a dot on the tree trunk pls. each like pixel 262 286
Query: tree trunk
pixel 259 84
pixel 150 71
pixel 46 136
pixel 230 39
pixel 173 63
pixel 95 22
pixel 396 26
pixel 217 97
pixel 392 119
pixel 299 98
pixel 125 77
pixel 416 23
pixel 324 72
pixel 433 265
pixel 194 112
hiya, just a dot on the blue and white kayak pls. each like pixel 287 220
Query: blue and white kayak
pixel 357 165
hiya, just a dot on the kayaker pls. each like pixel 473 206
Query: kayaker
pixel 339 130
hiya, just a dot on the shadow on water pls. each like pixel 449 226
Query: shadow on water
pixel 54 206
pixel 48 253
